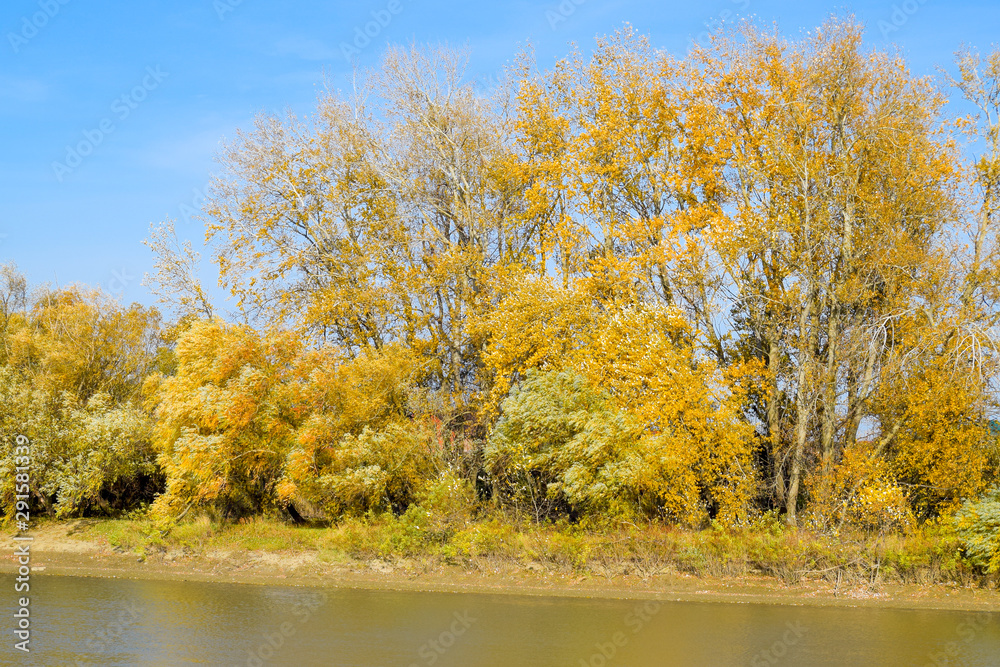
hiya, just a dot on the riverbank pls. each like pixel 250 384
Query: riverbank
pixel 88 548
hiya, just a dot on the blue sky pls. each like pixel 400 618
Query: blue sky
pixel 157 85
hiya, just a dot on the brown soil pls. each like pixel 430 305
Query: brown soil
pixel 57 552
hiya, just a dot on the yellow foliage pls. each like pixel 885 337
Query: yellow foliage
pixel 80 340
pixel 695 443
pixel 358 446
pixel 222 432
pixel 945 453
pixel 535 325
pixel 860 491
pixel 724 268
pixel 647 428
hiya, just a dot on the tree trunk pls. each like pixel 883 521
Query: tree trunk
pixel 803 414
pixel 774 414
pixel 829 424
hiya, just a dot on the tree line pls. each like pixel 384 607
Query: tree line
pixel 760 277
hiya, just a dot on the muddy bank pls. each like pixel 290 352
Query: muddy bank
pixel 57 551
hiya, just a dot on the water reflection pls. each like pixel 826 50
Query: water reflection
pixel 81 621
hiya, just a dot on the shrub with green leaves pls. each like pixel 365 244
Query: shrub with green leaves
pixel 92 456
pixel 977 524
pixel 376 470
pixel 560 445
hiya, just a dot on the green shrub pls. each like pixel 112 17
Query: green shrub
pixel 977 524
pixel 561 446
pixel 376 471
pixel 448 505
pixel 86 457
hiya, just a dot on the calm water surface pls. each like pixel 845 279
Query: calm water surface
pixel 81 621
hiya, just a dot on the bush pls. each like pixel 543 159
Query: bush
pixel 861 492
pixel 222 427
pixel 357 446
pixel 374 471
pixel 559 446
pixel 977 524
pixel 85 457
pixel 564 447
pixel 449 504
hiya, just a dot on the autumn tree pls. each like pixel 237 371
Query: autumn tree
pixel 74 363
pixel 378 221
pixel 840 185
pixel 363 441
pixel 222 431
pixel 175 279
pixel 762 262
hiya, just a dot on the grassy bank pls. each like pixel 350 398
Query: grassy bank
pixel 768 549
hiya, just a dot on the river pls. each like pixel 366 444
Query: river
pixel 92 621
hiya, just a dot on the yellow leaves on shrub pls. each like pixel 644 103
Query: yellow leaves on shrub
pixel 221 431
pixel 945 452
pixel 646 427
pixel 376 470
pixel 372 389
pixel 248 423
pixel 695 444
pixel 860 491
pixel 344 453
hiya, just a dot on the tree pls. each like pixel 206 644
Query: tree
pixel 840 182
pixel 81 341
pixel 73 364
pixel 222 429
pixel 362 440
pixel 762 262
pixel 175 281
pixel 377 222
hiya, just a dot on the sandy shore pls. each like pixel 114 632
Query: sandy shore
pixel 56 553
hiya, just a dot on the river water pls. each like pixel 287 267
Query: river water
pixel 90 621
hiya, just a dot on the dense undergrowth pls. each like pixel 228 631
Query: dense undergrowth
pixel 768 548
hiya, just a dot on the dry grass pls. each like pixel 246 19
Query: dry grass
pixel 931 555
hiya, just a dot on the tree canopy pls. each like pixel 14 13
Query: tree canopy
pixel 758 277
